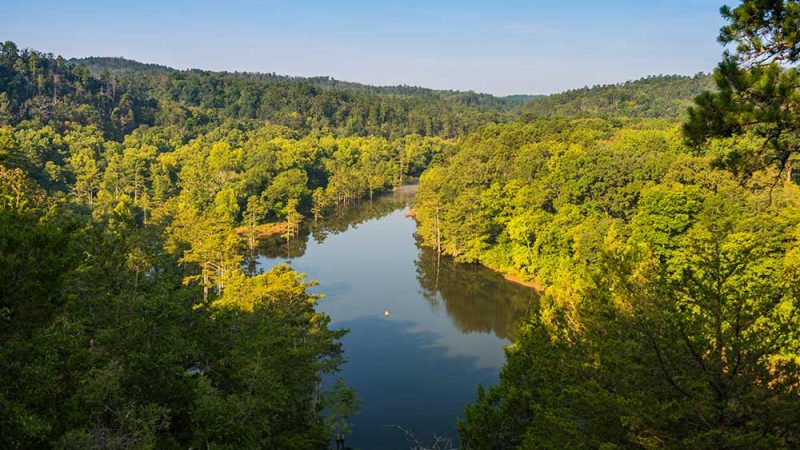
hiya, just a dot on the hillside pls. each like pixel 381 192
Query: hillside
pixel 655 96
pixel 314 103
pixel 119 65
pixel 97 64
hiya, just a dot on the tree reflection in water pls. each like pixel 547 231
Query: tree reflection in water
pixel 477 299
pixel 335 223
pixel 448 326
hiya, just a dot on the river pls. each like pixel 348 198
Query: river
pixel 445 334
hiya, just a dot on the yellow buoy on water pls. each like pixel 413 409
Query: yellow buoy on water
pixel 386 313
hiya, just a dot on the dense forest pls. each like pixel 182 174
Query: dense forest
pixel 97 65
pixel 667 251
pixel 118 96
pixel 663 236
pixel 128 319
pixel 653 97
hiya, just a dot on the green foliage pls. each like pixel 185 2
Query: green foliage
pixel 341 404
pixel 511 193
pixel 126 318
pixel 763 30
pixel 761 101
pixel 669 316
pixel 105 347
pixel 670 311
pixel 757 85
pixel 118 95
pixel 653 97
pixel 270 348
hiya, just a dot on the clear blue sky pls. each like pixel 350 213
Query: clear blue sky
pixel 500 47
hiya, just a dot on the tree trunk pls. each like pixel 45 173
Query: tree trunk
pixel 438 233
pixel 205 286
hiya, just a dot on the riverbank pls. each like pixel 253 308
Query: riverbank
pixel 264 231
pixel 516 278
pixel 509 275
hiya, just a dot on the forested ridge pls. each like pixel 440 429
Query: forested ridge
pixel 97 65
pixel 660 216
pixel 650 97
pixel 118 95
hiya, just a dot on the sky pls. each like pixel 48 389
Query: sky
pixel 494 46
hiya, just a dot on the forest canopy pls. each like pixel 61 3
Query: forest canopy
pixel 660 218
pixel 666 249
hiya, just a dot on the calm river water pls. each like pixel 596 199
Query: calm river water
pixel 445 334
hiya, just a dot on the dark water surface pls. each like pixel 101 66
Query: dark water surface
pixel 446 332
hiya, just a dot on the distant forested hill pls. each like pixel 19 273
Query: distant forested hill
pixel 656 96
pixel 118 95
pixel 116 65
pixel 97 64
pixel 130 93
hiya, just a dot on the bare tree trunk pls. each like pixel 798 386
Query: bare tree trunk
pixel 205 286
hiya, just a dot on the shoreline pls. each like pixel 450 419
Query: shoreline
pixel 516 278
pixel 264 230
pixel 521 281
pixel 506 274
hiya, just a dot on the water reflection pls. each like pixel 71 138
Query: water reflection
pixel 338 222
pixel 476 299
pixel 448 327
pixel 407 383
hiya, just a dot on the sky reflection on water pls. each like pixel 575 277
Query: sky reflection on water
pixel 448 326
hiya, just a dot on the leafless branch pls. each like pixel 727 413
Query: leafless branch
pixel 439 442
